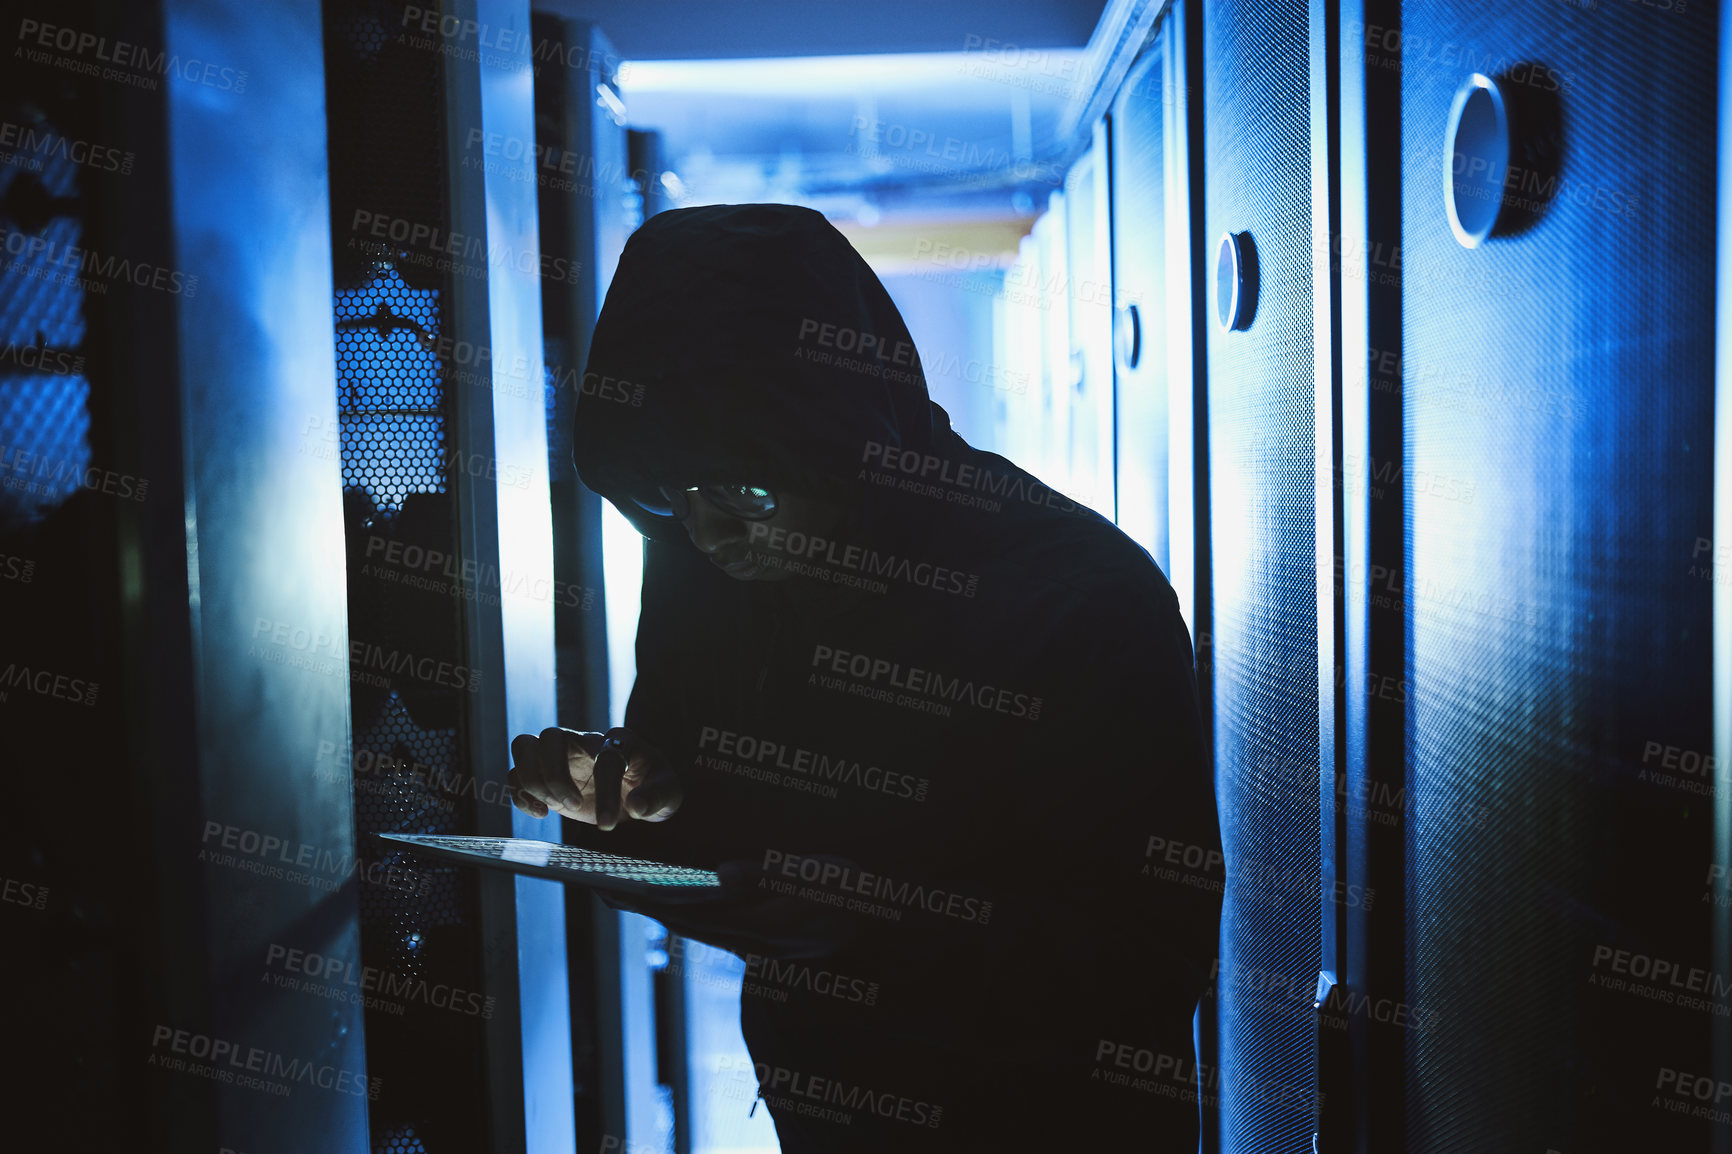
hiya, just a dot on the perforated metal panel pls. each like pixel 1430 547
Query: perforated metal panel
pixel 406 741
pixel 44 419
pixel 1263 646
pixel 391 391
pixel 75 958
pixel 397 766
pixel 1139 228
pixel 400 1140
pixel 396 373
pixel 1557 388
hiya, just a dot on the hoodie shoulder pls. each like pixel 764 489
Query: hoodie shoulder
pixel 1070 562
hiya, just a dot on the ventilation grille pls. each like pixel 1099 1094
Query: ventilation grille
pixel 396 375
pixel 1557 388
pixel 44 415
pixel 1263 644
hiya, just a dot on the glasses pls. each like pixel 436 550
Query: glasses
pixel 747 502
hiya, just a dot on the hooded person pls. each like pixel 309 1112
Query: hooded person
pixel 936 723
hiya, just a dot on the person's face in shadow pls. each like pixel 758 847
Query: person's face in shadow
pixel 730 526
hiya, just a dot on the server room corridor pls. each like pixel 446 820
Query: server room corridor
pixel 994 576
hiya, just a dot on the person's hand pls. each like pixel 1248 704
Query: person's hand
pixel 598 778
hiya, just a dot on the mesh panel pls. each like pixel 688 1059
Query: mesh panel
pixel 395 373
pixel 1558 387
pixel 44 415
pixel 44 444
pixel 390 393
pixel 1264 643
pixel 1139 220
pixel 559 389
pixel 394 794
pixel 401 1140
pixel 75 957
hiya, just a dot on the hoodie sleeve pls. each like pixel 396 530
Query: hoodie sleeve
pixel 688 625
pixel 677 633
pixel 665 649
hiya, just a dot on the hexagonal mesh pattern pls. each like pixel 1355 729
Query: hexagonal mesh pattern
pixel 386 135
pixel 44 444
pixel 390 398
pixel 396 791
pixel 41 298
pixel 400 1140
pixel 44 415
pixel 558 408
pixel 39 301
pixel 389 390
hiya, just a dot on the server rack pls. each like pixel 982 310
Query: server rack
pixel 1555 379
pixel 386 112
pixel 1266 632
pixel 442 437
pixel 629 1040
pixel 199 746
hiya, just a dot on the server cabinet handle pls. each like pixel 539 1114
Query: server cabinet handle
pixel 1503 149
pixel 1128 335
pixel 1476 146
pixel 1236 281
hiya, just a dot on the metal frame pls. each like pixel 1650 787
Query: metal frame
pixel 1722 640
pixel 1189 508
pixel 522 919
pixel 231 188
pixel 1372 951
pixel 1124 27
pixel 588 228
pixel 1334 1056
pixel 1177 31
pixel 1187 333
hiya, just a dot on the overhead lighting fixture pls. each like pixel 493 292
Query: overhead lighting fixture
pixel 605 97
pixel 898 72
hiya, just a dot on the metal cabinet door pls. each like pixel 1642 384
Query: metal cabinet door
pixel 1262 650
pixel 1557 386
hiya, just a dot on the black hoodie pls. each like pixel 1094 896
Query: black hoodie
pixel 966 738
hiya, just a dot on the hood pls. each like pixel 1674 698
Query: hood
pixel 744 343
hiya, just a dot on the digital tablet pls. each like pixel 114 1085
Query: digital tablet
pixel 626 876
